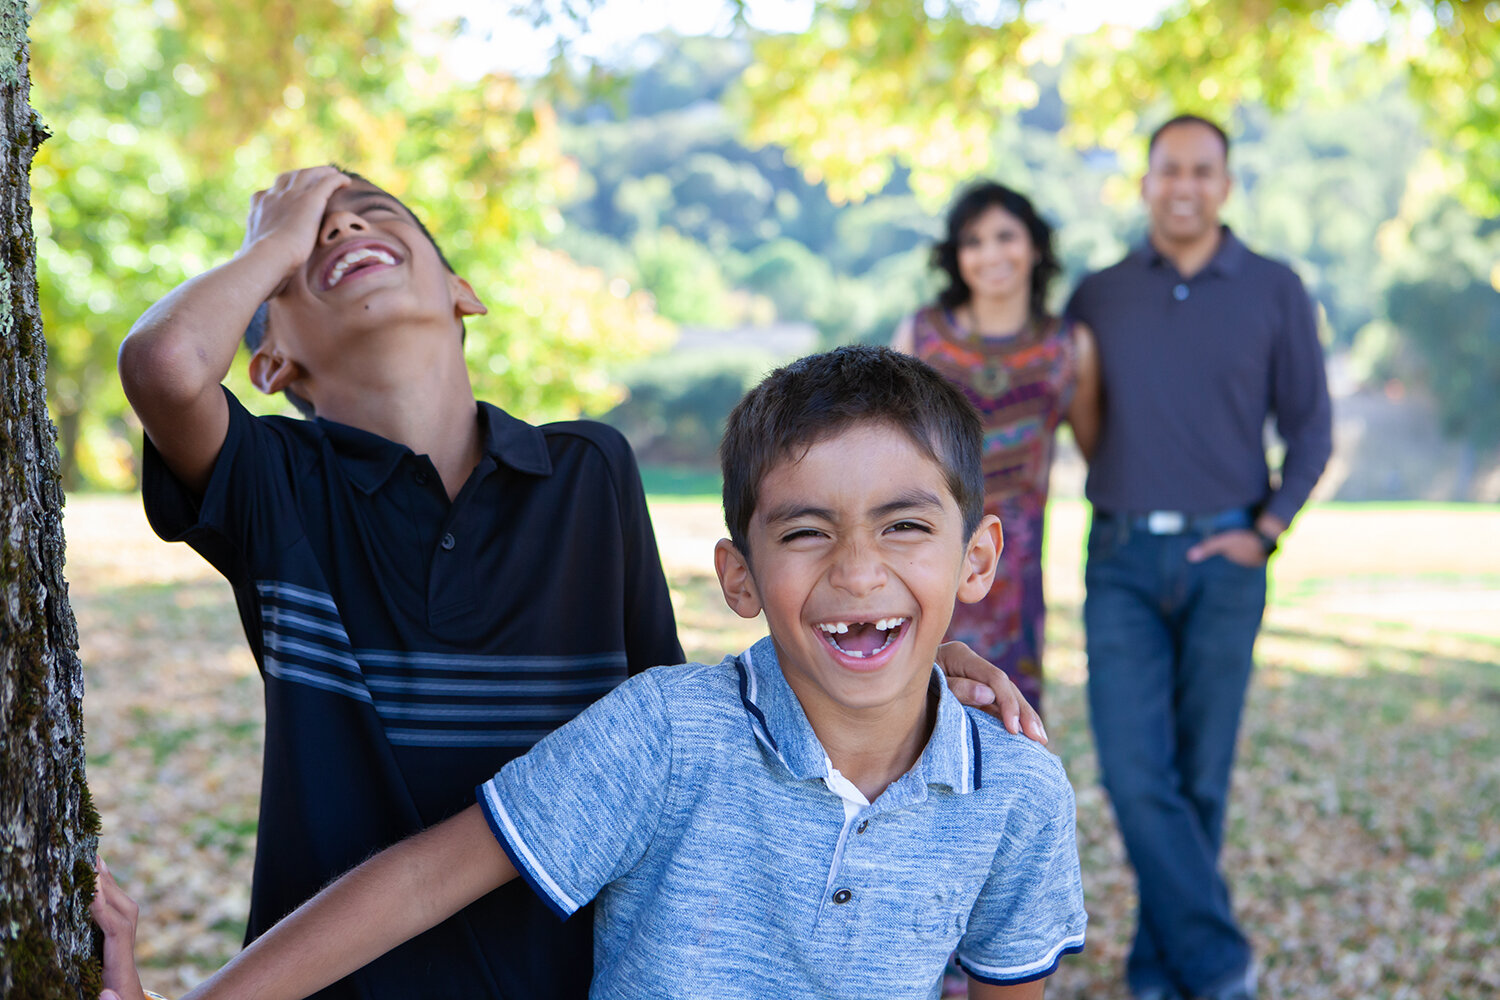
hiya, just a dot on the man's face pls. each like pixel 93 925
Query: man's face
pixel 859 551
pixel 1186 183
pixel 371 267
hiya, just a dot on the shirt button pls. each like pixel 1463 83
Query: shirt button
pixel 864 825
pixel 448 542
pixel 842 896
pixel 420 477
pixel 1180 292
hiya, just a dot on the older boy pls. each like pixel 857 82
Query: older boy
pixel 817 816
pixel 429 584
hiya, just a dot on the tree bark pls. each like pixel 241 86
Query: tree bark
pixel 48 826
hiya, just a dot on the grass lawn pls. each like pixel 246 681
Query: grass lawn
pixel 1364 832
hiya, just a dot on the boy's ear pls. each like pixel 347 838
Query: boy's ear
pixel 981 560
pixel 464 298
pixel 735 580
pixel 272 371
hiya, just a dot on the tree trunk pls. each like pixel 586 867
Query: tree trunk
pixel 48 826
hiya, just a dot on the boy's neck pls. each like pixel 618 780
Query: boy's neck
pixel 875 748
pixel 412 398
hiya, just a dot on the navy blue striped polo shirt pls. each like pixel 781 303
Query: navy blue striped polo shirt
pixel 412 645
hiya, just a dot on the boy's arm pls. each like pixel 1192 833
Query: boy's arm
pixel 979 990
pixel 394 896
pixel 177 353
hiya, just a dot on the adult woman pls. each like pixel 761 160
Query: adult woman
pixel 1026 371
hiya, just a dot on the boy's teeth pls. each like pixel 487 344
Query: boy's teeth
pixel 841 628
pixel 354 257
pixel 864 635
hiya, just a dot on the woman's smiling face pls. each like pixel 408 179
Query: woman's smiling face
pixel 996 255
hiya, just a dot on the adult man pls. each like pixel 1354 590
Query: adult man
pixel 1200 341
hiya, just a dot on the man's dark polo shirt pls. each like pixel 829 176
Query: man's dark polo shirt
pixel 411 646
pixel 1191 369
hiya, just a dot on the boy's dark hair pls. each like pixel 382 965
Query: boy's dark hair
pixel 1188 120
pixel 800 404
pixel 256 331
pixel 973 202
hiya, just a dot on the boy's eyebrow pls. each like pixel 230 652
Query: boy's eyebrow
pixel 361 199
pixel 793 511
pixel 910 500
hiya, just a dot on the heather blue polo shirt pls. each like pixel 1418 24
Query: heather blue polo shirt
pixel 411 645
pixel 729 858
pixel 1191 369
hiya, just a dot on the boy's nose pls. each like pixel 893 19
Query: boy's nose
pixel 857 570
pixel 340 223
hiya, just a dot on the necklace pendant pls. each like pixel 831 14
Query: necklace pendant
pixel 992 379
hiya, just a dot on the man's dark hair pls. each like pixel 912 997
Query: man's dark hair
pixel 802 403
pixel 973 202
pixel 1188 120
pixel 256 331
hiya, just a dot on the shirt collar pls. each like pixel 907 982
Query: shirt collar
pixel 369 459
pixel 950 759
pixel 1225 261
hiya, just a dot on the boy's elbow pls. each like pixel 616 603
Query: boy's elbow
pixel 158 369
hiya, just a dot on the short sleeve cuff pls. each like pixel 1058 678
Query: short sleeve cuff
pixel 171 508
pixel 521 854
pixel 1014 975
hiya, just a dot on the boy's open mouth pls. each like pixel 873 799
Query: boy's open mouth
pixel 861 639
pixel 356 259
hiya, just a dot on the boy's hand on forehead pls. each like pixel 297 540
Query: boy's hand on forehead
pixel 288 214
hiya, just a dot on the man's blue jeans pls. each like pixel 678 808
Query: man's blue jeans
pixel 1169 651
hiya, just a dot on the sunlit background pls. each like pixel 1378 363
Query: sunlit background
pixel 711 185
pixel 658 201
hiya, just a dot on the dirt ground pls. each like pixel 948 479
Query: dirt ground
pixel 1364 839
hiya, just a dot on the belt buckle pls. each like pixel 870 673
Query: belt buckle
pixel 1165 522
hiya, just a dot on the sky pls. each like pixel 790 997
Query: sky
pixel 495 40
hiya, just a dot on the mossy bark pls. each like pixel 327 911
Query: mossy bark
pixel 48 826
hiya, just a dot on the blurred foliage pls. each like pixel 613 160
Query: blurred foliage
pixel 168 114
pixel 877 83
pixel 686 282
pixel 1327 184
pixel 882 82
pixel 735 181
pixel 678 402
pixel 671 199
pixel 1442 292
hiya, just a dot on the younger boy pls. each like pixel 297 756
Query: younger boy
pixel 817 816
